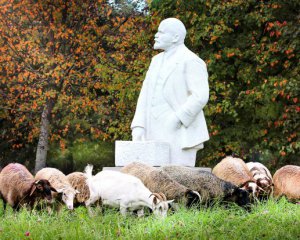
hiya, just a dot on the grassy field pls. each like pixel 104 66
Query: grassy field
pixel 270 220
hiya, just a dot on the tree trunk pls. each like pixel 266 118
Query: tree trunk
pixel 42 148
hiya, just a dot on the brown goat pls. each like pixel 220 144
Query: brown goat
pixel 287 182
pixel 78 182
pixel 18 187
pixel 235 170
pixel 159 181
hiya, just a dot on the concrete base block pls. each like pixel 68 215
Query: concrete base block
pixel 194 168
pixel 149 152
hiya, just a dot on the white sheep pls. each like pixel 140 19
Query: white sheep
pixel 60 182
pixel 262 176
pixel 124 191
pixel 78 182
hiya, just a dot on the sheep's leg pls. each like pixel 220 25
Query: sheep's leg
pixel 4 203
pixel 97 208
pixel 91 213
pixel 10 201
pixel 49 209
pixel 91 200
pixel 4 206
pixel 123 210
pixel 17 207
pixel 140 212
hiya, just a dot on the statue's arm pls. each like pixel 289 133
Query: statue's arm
pixel 139 119
pixel 196 78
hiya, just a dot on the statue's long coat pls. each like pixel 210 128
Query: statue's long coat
pixel 186 91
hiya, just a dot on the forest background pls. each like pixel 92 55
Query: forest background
pixel 71 72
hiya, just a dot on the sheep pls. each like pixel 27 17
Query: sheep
pixel 124 191
pixel 78 182
pixel 262 177
pixel 60 182
pixel 209 186
pixel 159 181
pixel 18 187
pixel 287 182
pixel 235 170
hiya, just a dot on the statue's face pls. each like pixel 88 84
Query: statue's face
pixel 164 38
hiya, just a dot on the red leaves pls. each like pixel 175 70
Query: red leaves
pixel 213 39
pixel 282 153
pixel 109 12
pixel 274 28
pixel 229 55
pixel 218 56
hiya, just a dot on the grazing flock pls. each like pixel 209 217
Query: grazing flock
pixel 138 186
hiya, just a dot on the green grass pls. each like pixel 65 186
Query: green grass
pixel 270 220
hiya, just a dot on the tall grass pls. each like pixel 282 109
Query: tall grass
pixel 270 220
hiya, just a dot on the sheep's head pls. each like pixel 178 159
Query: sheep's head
pixel 42 188
pixel 266 186
pixel 252 187
pixel 263 181
pixel 68 195
pixel 192 197
pixel 160 204
pixel 239 196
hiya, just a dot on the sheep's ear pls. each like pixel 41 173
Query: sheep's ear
pixel 60 190
pixel 76 191
pixel 33 188
pixel 155 201
pixel 170 201
pixel 53 189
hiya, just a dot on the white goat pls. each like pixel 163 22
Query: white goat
pixel 124 191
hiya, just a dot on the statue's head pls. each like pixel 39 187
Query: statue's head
pixel 171 32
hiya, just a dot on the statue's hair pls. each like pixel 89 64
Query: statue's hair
pixel 176 27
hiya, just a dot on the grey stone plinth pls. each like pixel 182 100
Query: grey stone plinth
pixel 194 168
pixel 149 152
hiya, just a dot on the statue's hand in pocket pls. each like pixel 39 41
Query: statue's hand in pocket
pixel 174 122
pixel 138 134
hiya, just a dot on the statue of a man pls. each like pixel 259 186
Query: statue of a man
pixel 173 95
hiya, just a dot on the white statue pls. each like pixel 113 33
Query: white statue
pixel 174 93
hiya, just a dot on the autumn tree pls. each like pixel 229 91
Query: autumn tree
pixel 72 71
pixel 65 71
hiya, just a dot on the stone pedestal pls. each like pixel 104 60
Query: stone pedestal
pixel 194 168
pixel 149 152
